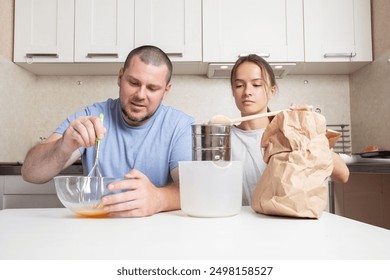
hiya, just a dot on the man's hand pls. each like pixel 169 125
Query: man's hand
pixel 82 132
pixel 141 199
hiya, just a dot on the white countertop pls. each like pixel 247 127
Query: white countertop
pixel 59 234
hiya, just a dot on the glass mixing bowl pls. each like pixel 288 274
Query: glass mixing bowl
pixel 83 194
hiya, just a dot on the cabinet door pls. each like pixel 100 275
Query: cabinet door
pixel 18 193
pixel 337 30
pixel 172 25
pixel 14 184
pixel 2 178
pixel 104 30
pixel 270 28
pixel 43 31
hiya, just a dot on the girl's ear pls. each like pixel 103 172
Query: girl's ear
pixel 271 92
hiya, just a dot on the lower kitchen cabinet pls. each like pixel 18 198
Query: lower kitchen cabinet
pixel 366 198
pixel 17 193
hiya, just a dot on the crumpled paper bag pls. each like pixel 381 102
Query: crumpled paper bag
pixel 299 161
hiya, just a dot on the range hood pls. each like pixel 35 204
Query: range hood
pixel 223 70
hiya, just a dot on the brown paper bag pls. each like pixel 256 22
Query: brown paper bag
pixel 299 162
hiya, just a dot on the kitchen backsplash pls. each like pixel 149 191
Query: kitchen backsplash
pixel 370 96
pixel 32 106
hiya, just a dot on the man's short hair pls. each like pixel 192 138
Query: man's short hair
pixel 151 55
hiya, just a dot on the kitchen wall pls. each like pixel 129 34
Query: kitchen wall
pixel 6 27
pixel 16 110
pixel 32 106
pixel 370 99
pixel 370 87
pixel 380 10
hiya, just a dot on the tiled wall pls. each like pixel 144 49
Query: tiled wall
pixel 33 106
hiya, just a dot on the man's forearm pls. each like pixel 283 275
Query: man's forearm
pixel 45 161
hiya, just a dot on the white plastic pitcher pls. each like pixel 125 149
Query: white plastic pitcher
pixel 210 188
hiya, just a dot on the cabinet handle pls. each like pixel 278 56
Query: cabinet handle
pixel 352 54
pixel 32 55
pixel 175 54
pixel 92 55
pixel 264 55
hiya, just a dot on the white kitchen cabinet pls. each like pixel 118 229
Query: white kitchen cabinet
pixel 43 31
pixel 104 30
pixel 1 191
pixel 17 193
pixel 337 31
pixel 173 25
pixel 271 28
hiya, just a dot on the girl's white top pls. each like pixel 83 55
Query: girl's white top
pixel 246 147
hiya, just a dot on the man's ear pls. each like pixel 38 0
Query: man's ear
pixel 121 71
pixel 167 89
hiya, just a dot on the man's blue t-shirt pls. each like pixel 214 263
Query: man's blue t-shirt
pixel 154 148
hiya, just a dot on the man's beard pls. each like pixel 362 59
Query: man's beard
pixel 135 120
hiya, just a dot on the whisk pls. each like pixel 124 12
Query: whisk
pixel 95 171
pixel 94 176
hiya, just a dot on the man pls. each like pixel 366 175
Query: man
pixel 141 139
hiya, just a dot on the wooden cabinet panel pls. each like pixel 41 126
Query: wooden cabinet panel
pixel 386 200
pixel 366 198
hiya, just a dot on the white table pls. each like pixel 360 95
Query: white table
pixel 59 234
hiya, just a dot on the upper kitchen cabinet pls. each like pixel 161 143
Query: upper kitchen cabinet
pixel 272 29
pixel 173 25
pixel 104 30
pixel 337 31
pixel 43 31
pixel 97 35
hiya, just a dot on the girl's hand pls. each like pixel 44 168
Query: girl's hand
pixel 301 107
